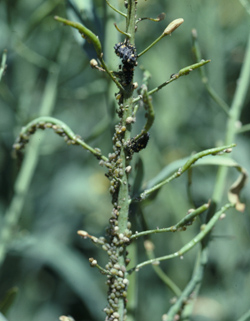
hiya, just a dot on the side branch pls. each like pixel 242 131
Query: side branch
pixel 205 229
pixel 181 225
pixel 60 128
pixel 85 33
pixel 182 72
pixel 91 37
pixel 186 166
pixel 197 51
pixel 3 63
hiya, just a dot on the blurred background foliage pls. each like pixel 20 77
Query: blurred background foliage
pixel 48 73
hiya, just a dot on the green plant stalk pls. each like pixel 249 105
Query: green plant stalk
pixel 235 111
pixel 3 63
pixel 151 45
pixel 172 26
pixel 27 170
pixel 116 10
pixel 85 33
pixel 186 166
pixel 204 79
pixel 123 198
pixel 244 129
pixel 133 284
pixel 192 287
pixel 245 316
pixel 182 72
pixel 91 37
pixel 130 21
pixel 61 126
pixel 205 229
pixel 161 274
pixel 246 5
pixel 182 223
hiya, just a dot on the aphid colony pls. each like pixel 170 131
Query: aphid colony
pixel 127 53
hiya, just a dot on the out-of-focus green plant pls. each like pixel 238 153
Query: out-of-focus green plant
pixel 130 195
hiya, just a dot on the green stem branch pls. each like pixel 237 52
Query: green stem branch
pixel 182 223
pixel 206 228
pixel 60 128
pixel 3 63
pixel 182 72
pixel 186 166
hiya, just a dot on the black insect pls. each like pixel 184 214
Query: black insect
pixel 127 53
pixel 136 145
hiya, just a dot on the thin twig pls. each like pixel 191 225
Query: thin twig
pixel 206 228
pixel 182 223
pixel 186 166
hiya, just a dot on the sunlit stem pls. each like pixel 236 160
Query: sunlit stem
pixel 197 51
pixel 205 229
pixel 187 165
pixel 183 222
pixel 128 35
pixel 3 63
pixel 150 46
pixel 116 10
pixel 182 72
pixel 85 32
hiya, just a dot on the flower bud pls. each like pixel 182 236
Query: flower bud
pixel 172 26
pixel 93 63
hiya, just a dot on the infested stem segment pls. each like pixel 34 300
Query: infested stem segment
pixel 119 230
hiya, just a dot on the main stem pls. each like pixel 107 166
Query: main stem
pixel 119 230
